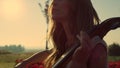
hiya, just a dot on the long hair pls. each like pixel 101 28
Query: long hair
pixel 83 17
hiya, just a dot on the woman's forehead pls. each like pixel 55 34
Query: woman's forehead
pixel 73 1
pixel 61 0
pixel 64 1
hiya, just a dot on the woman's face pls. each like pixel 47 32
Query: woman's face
pixel 61 9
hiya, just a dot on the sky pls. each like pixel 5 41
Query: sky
pixel 22 22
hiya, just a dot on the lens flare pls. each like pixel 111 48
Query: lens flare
pixel 11 8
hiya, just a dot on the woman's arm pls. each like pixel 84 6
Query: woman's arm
pixel 82 57
pixel 98 58
pixel 38 57
pixel 81 54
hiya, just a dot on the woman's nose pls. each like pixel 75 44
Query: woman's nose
pixel 57 2
pixel 54 4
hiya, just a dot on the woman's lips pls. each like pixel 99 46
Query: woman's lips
pixel 55 12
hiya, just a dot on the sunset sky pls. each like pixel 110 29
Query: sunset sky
pixel 22 22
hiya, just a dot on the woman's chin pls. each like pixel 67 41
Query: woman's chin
pixel 59 18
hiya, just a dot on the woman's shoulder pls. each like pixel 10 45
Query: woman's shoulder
pixel 97 41
pixel 98 55
pixel 100 46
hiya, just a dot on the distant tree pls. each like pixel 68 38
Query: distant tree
pixel 12 48
pixel 45 12
pixel 4 52
pixel 6 47
pixel 114 49
pixel 20 48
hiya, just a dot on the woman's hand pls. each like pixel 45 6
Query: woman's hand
pixel 22 64
pixel 81 55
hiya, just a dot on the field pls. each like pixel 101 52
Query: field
pixel 8 60
pixel 114 58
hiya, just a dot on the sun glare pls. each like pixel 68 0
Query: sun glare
pixel 11 8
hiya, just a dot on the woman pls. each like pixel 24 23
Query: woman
pixel 70 17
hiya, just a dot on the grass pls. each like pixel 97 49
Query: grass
pixel 8 60
pixel 7 64
pixel 114 58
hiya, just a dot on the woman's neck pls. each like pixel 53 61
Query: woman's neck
pixel 70 37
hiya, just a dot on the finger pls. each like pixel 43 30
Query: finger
pixel 86 41
pixel 78 37
pixel 85 36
